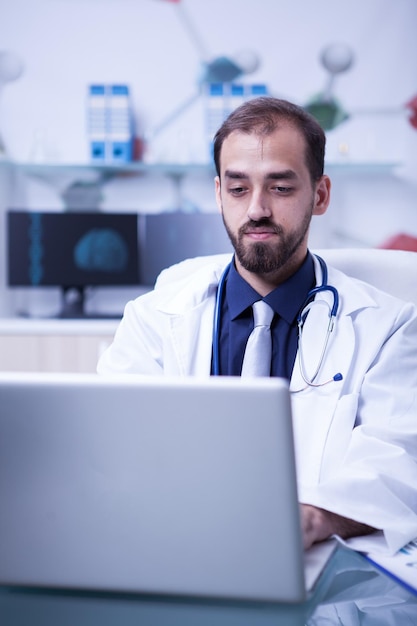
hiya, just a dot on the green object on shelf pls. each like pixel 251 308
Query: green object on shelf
pixel 329 113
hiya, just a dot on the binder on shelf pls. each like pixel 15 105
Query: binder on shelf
pixel 222 99
pixel 97 122
pixel 110 124
pixel 120 124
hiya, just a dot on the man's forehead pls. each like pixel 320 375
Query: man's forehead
pixel 284 143
pixel 257 138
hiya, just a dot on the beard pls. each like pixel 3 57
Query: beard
pixel 265 257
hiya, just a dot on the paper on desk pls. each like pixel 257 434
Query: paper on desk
pixel 402 565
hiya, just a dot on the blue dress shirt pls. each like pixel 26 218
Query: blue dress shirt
pixel 237 319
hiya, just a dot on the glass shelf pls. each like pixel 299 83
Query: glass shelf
pixel 110 170
pixel 88 179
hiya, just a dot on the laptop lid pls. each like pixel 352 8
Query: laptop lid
pixel 154 485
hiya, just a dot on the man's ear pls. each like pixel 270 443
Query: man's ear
pixel 322 195
pixel 218 194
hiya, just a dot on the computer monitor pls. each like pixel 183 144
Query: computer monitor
pixel 168 238
pixel 72 250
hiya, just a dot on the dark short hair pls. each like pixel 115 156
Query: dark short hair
pixel 262 116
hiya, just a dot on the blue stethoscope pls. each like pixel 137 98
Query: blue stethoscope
pixel 309 302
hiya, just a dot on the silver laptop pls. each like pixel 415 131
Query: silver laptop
pixel 153 485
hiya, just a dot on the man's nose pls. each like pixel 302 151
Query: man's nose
pixel 258 206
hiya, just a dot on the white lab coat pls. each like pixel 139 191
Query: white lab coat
pixel 355 440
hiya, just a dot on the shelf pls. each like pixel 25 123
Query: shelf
pixel 86 180
pixel 108 170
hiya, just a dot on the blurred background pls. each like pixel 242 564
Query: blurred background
pixel 53 50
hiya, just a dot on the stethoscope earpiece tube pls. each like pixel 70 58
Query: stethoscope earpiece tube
pixel 308 304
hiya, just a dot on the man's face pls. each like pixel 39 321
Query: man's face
pixel 267 199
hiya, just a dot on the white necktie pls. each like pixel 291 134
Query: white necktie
pixel 258 352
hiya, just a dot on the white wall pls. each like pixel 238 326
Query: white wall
pixel 67 44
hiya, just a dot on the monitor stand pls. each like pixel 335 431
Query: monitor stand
pixel 73 306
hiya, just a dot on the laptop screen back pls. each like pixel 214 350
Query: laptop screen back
pixel 168 486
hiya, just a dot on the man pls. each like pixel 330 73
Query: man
pixel 354 408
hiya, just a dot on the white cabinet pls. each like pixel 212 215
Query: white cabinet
pixel 53 345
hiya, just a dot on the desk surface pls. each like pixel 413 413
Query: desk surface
pixel 350 593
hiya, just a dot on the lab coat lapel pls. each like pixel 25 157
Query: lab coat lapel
pixel 190 314
pixel 191 335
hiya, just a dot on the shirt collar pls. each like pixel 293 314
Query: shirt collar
pixel 286 299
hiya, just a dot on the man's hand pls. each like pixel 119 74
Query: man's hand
pixel 319 524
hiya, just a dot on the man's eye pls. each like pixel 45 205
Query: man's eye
pixel 281 189
pixel 237 190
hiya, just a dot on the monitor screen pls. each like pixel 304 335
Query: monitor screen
pixel 72 250
pixel 168 238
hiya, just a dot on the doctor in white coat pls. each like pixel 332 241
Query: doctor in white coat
pixel 356 435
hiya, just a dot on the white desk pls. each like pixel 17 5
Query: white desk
pixel 53 345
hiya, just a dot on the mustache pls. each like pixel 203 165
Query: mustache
pixel 265 222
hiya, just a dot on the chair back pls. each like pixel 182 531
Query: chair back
pixel 393 271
